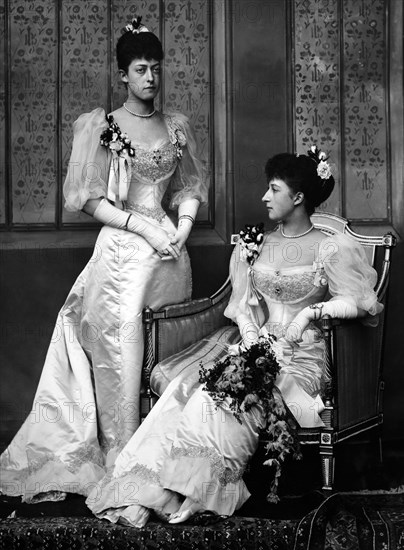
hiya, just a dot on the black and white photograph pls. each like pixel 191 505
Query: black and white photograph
pixel 201 297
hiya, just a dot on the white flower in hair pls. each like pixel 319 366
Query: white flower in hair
pixel 136 27
pixel 320 158
pixel 324 170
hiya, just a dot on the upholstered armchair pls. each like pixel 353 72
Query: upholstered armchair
pixel 353 384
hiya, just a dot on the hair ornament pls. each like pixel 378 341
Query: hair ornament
pixel 320 158
pixel 136 26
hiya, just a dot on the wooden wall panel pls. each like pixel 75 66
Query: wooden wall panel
pixel 259 95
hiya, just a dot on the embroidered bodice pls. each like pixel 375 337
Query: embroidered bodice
pixel 285 292
pixel 150 172
pixel 154 164
pixel 284 288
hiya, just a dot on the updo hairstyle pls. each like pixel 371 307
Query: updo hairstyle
pixel 300 174
pixel 142 45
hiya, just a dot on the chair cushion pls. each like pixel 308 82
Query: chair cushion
pixel 209 349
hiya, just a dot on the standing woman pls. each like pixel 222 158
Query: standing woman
pixel 122 166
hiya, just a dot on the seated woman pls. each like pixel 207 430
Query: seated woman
pixel 189 455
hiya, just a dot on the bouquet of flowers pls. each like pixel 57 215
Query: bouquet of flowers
pixel 247 379
pixel 116 140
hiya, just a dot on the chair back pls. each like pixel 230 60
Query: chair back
pixel 377 248
pixel 357 349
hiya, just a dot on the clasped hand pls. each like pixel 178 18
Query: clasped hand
pixel 294 331
pixel 168 246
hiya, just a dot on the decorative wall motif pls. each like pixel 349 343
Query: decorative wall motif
pixel 61 59
pixel 84 72
pixel 317 81
pixel 187 79
pixel 63 63
pixel 364 101
pixel 33 95
pixel 341 98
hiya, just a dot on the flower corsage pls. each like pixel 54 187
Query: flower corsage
pixel 248 379
pixel 250 240
pixel 117 141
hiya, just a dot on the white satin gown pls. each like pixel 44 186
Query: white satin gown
pixel 86 407
pixel 187 447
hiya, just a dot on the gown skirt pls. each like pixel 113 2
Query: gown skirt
pixel 188 447
pixel 86 407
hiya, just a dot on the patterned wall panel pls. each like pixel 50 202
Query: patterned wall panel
pixel 187 80
pixel 2 117
pixel 187 64
pixel 63 64
pixel 84 72
pixel 341 98
pixel 364 100
pixel 33 47
pixel 317 81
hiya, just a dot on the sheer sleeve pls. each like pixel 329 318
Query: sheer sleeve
pixel 350 276
pixel 87 174
pixel 189 180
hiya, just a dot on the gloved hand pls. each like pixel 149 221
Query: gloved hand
pixel 156 237
pixel 338 308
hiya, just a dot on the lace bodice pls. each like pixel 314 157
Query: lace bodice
pixel 294 287
pixel 155 164
pixel 288 291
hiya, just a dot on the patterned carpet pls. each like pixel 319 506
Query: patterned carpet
pixel 355 518
pixel 344 521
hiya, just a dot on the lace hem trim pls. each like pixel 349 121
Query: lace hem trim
pixel 225 475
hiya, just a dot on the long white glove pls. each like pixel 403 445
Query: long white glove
pixel 340 309
pixel 156 237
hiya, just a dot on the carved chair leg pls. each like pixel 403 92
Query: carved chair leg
pixel 147 402
pixel 380 444
pixel 327 461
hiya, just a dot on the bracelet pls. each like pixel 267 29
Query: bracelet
pixel 127 221
pixel 186 217
pixel 317 307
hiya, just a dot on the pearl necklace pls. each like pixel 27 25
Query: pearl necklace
pixel 137 114
pixel 296 236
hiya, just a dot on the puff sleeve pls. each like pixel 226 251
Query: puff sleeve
pixel 189 180
pixel 87 174
pixel 350 276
